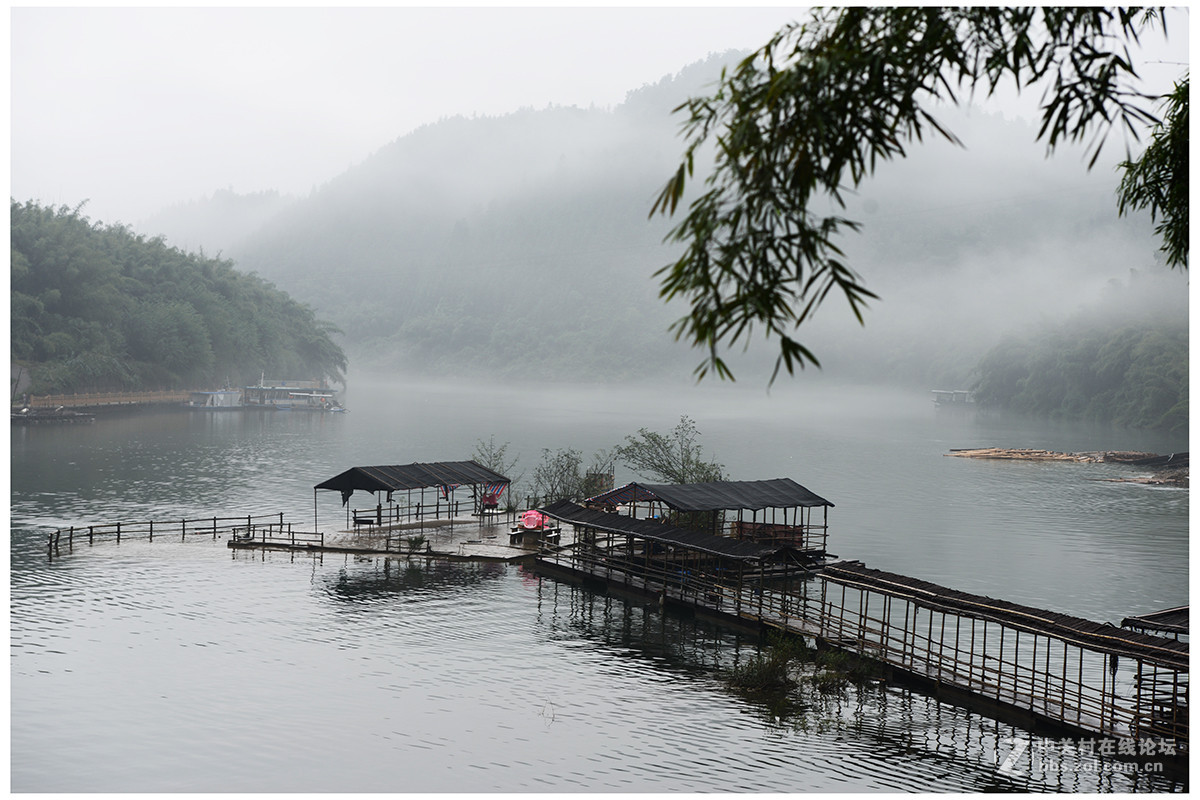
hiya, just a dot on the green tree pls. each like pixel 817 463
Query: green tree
pixel 495 457
pixel 98 308
pixel 1133 375
pixel 810 114
pixel 1158 180
pixel 675 457
pixel 558 476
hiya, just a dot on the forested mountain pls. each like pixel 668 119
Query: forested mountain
pixel 97 308
pixel 521 244
pixel 217 223
pixel 1122 362
pixel 515 244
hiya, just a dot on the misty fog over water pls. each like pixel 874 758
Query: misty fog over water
pixel 490 268
pixel 342 673
pixel 516 241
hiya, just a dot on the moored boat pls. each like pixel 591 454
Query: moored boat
pixel 219 400
pixel 292 396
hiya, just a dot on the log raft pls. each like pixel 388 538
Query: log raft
pixel 1099 457
pixel 1168 470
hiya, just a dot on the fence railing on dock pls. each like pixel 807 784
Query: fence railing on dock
pixel 276 533
pixel 414 515
pixel 1087 675
pixel 262 527
pixel 1084 675
pixel 99 399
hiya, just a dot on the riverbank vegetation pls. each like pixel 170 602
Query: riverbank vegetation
pixel 1133 375
pixel 99 308
pixel 562 474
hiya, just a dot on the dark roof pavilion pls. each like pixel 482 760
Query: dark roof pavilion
pixel 440 474
pixel 717 495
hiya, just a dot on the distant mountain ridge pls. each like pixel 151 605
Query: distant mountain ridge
pixel 218 223
pixel 509 244
pixel 520 244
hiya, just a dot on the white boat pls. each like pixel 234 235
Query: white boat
pixel 219 400
pixel 292 396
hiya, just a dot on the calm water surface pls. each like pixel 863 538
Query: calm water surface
pixel 171 666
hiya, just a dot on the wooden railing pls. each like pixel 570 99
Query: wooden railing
pixel 105 399
pixel 264 527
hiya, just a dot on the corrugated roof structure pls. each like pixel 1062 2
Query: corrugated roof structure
pixel 717 495
pixel 654 530
pixel 1099 636
pixel 411 476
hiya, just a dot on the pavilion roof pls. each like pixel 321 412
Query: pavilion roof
pixel 717 495
pixel 440 474
pixel 655 530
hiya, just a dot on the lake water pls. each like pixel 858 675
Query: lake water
pixel 171 666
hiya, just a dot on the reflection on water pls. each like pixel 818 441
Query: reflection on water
pixel 241 671
pixel 253 671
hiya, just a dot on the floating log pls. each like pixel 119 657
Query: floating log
pixel 1169 470
pixel 1098 457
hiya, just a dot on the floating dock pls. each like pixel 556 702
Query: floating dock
pixel 1056 670
pixel 770 571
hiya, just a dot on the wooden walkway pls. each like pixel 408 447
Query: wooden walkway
pixel 1083 676
pixel 1088 677
pixel 109 399
pixel 462 539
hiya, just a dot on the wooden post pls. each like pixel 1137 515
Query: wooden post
pixel 1103 686
pixel 885 635
pixel 91 534
pixel 863 605
pixel 182 530
pixel 941 643
pixel 152 530
pixel 983 660
pixel 118 533
pixel 214 528
pixel 971 659
pixel 71 537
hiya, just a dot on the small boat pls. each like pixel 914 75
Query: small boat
pixel 953 398
pixel 536 525
pixel 292 396
pixel 534 520
pixel 219 400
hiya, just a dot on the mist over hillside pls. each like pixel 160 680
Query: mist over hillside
pixel 216 223
pixel 520 244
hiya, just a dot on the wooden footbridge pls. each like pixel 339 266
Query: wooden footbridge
pixel 1047 669
pixel 102 400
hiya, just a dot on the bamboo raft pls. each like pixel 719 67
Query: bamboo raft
pixel 1097 457
pixel 1169 470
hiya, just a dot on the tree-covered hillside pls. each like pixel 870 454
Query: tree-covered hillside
pixel 97 308
pixel 522 244
pixel 497 245
pixel 1121 362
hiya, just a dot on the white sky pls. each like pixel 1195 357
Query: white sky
pixel 138 108
pixel 134 109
